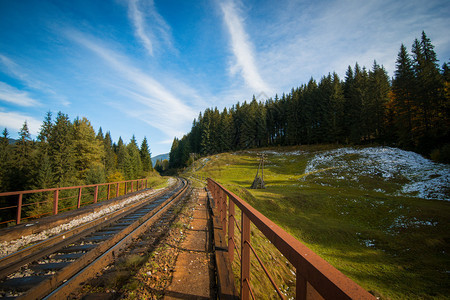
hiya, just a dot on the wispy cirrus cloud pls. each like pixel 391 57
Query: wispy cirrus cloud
pixel 12 95
pixel 242 48
pixel 15 120
pixel 311 39
pixel 150 27
pixel 138 22
pixel 16 71
pixel 159 107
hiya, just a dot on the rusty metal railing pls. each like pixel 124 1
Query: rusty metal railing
pixel 313 274
pixel 93 192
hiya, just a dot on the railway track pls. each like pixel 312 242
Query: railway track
pixel 54 268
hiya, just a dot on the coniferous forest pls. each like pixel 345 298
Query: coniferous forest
pixel 410 111
pixel 68 153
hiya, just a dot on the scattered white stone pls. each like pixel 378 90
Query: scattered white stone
pixel 8 247
pixel 426 179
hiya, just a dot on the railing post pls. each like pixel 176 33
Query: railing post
pixel 231 212
pixel 132 186
pixel 109 192
pixel 223 197
pixel 19 209
pixel 117 189
pixel 55 202
pixel 79 198
pixel 125 192
pixel 300 286
pixel 245 257
pixel 216 198
pixel 95 194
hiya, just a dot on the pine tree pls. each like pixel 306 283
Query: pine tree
pixel 110 161
pixel 145 156
pixel 123 160
pixel 379 88
pixel 43 176
pixel 428 94
pixel 337 102
pixel 46 128
pixel 403 101
pixel 135 159
pixel 100 135
pixel 174 155
pixel 4 160
pixel 19 173
pixel 88 150
pixel 61 150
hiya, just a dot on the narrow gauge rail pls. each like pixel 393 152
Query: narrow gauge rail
pixel 54 268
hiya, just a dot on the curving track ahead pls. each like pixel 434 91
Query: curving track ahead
pixel 54 268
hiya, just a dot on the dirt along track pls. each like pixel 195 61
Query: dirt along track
pixel 55 269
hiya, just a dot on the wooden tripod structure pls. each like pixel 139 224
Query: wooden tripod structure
pixel 258 182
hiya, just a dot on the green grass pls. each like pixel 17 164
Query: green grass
pixel 351 224
pixel 156 181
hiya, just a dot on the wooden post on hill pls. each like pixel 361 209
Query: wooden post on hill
pixel 258 182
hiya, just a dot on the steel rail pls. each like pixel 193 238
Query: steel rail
pixel 13 261
pixel 127 234
pixel 90 270
pixel 140 183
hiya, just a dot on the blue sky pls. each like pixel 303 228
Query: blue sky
pixel 149 67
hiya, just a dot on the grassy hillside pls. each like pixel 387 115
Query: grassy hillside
pixel 380 215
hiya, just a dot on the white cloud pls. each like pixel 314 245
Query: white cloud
pixel 16 71
pixel 14 121
pixel 153 103
pixel 12 95
pixel 150 27
pixel 242 49
pixel 138 22
pixel 311 39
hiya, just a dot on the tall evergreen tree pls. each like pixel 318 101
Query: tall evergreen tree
pixel 428 94
pixel 88 150
pixel 110 161
pixel 403 101
pixel 61 150
pixel 174 155
pixel 377 98
pixel 145 156
pixel 123 159
pixel 135 159
pixel 19 175
pixel 43 176
pixel 4 160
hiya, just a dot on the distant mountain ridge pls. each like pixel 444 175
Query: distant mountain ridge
pixel 160 157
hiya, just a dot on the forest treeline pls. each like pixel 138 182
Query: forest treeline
pixel 411 111
pixel 69 153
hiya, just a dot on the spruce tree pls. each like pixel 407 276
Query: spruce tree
pixel 428 95
pixel 145 156
pixel 379 88
pixel 403 98
pixel 4 160
pixel 110 161
pixel 88 150
pixel 123 160
pixel 135 158
pixel 61 150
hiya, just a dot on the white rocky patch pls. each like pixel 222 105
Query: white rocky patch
pixel 426 179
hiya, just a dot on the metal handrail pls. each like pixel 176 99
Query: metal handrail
pixel 277 289
pixel 329 282
pixel 140 184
